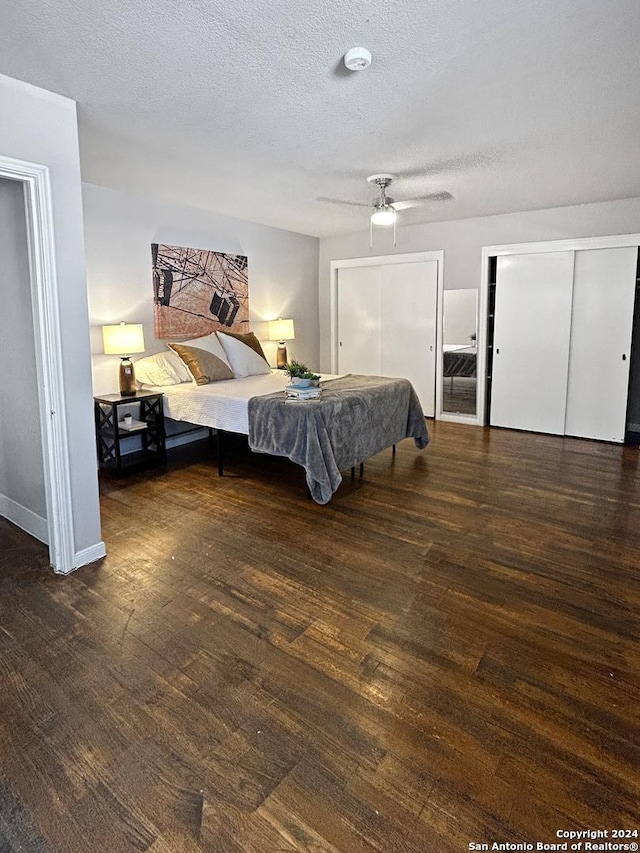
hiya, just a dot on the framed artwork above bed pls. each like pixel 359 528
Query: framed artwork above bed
pixel 197 291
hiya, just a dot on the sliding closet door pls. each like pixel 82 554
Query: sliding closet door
pixel 602 320
pixel 531 341
pixel 408 311
pixel 359 320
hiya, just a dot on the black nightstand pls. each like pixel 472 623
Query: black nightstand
pixel 112 436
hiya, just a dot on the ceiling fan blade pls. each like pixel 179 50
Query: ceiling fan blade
pixel 342 201
pixel 424 199
pixel 445 165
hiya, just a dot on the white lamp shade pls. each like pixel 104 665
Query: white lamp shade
pixel 281 330
pixel 384 216
pixel 123 339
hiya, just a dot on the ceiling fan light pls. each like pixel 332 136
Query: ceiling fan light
pixel 383 215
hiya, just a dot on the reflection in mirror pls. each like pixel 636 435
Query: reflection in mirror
pixel 459 358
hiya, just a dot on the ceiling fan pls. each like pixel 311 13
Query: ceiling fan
pixel 384 208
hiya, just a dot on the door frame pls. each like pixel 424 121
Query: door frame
pixel 36 183
pixel 382 260
pixel 575 244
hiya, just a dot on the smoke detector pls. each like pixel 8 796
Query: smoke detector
pixel 357 59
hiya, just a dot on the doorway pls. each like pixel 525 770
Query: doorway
pixel 22 489
pixel 34 389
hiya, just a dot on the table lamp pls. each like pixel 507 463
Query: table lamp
pixel 123 340
pixel 281 330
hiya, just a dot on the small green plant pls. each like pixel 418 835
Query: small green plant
pixel 298 370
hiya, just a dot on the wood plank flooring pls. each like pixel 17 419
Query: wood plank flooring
pixel 447 653
pixel 459 395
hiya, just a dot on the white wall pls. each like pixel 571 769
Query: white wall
pixel 119 229
pixel 462 241
pixel 40 127
pixel 21 459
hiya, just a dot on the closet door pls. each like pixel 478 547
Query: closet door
pixel 601 327
pixel 359 320
pixel 531 341
pixel 408 309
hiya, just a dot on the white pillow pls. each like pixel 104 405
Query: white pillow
pixel 243 360
pixel 210 343
pixel 163 368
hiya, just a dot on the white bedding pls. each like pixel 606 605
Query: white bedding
pixel 458 348
pixel 222 405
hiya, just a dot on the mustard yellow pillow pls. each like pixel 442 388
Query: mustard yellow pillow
pixel 204 366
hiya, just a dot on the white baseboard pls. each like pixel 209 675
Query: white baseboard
pixel 25 519
pixel 89 555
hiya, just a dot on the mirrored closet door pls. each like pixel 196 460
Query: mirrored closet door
pixel 459 351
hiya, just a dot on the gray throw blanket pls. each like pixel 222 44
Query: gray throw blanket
pixel 355 418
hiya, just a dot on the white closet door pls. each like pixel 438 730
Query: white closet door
pixel 359 320
pixel 531 341
pixel 408 311
pixel 601 327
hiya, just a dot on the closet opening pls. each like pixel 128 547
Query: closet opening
pixel 632 433
pixel 563 337
pixel 491 309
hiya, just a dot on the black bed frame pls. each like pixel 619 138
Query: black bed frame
pixel 220 434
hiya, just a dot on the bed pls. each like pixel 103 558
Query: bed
pixel 318 434
pixel 459 361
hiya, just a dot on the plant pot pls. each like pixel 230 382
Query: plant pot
pixel 300 383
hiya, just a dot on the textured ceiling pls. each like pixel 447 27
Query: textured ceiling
pixel 244 108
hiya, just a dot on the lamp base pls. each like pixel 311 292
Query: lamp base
pixel 281 356
pixel 127 378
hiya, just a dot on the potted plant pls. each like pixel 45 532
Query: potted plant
pixel 300 375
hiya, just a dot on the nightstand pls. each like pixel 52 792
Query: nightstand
pixel 131 447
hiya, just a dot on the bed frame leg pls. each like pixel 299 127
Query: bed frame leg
pixel 393 450
pixel 353 472
pixel 361 469
pixel 219 447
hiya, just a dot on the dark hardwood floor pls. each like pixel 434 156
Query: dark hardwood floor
pixel 447 653
pixel 459 395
